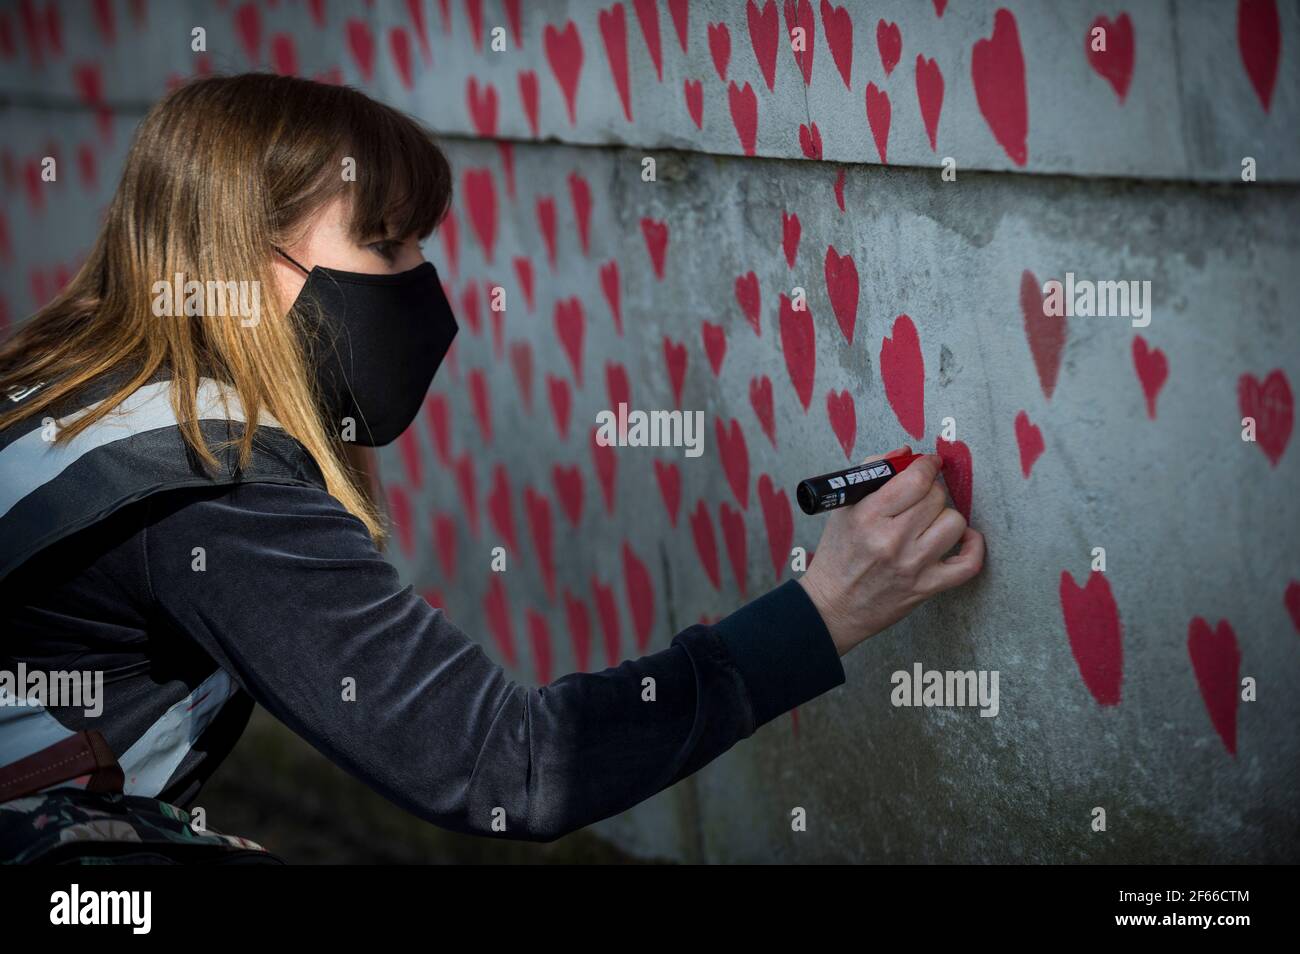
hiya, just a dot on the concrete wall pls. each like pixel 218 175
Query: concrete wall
pixel 1081 432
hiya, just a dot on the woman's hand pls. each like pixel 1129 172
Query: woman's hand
pixel 882 557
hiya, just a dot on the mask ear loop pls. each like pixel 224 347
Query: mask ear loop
pixel 345 383
pixel 294 260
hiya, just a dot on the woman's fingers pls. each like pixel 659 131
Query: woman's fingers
pixel 942 535
pixel 908 488
pixel 957 569
pixel 918 517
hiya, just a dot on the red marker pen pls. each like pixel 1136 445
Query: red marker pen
pixel 846 487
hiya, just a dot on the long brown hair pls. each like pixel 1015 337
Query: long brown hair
pixel 221 171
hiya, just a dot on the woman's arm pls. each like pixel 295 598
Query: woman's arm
pixel 296 604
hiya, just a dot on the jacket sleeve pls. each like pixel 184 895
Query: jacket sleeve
pixel 297 604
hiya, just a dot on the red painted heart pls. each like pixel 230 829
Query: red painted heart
pixel 656 243
pixel 842 289
pixel 878 114
pixel 764 37
pixel 568 490
pixel 605 461
pixel 1115 62
pixel 675 359
pixel 1216 661
pixel 613 30
pixel 1096 637
pixel 538 508
pixel 837 26
pixel 735 458
pixel 1152 370
pixel 570 328
pixel 1271 406
pixel 799 348
pixel 958 473
pixel 561 398
pixel 706 544
pixel 903 370
pixel 760 399
pixel 778 518
pixel 720 48
pixel 1030 439
pixel 747 296
pixel 715 345
pixel 744 114
pixel 1259 38
pixel 1046 333
pixel 669 478
pixel 844 419
pixel 501 511
pixel 733 534
pixel 790 232
pixel 929 93
pixel 640 597
pixel 998 70
pixel 609 285
pixel 889 41
pixel 564 54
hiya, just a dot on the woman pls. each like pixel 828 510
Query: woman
pixel 177 511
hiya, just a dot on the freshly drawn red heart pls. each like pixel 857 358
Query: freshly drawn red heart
pixel 408 447
pixel 1096 637
pixel 760 399
pixel 1259 38
pixel 799 348
pixel 481 196
pixel 439 413
pixel 561 397
pixel 744 114
pixel 998 70
pixel 706 544
pixel 799 16
pixel 613 30
pixel 929 93
pixel 720 48
pixel 1046 333
pixel 478 392
pixel 640 597
pixel 903 370
pixel 568 489
pixel 1216 661
pixel 810 141
pixel 656 243
pixel 361 44
pixel 1030 439
pixel 528 98
pixel 878 114
pixel 764 37
pixel 570 328
pixel 538 508
pixel 539 637
pixel 733 534
pixel 680 10
pixel 747 296
pixel 838 28
pixel 1152 370
pixel 669 478
pixel 889 41
pixel 467 484
pixel 842 289
pixel 609 285
pixel 605 462
pixel 675 359
pixel 545 207
pixel 844 419
pixel 1115 62
pixel 790 232
pixel 399 505
pixel 497 610
pixel 647 15
pixel 284 55
pixel 578 621
pixel 564 54
pixel 444 537
pixel 248 28
pixel 580 194
pixel 1292 600
pixel 501 511
pixel 399 46
pixel 521 362
pixel 607 610
pixel 735 458
pixel 693 91
pixel 958 473
pixel 778 518
pixel 482 105
pixel 715 345
pixel 1272 407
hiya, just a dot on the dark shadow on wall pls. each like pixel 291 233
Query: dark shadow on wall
pixel 277 790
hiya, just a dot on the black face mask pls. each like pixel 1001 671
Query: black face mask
pixel 381 339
